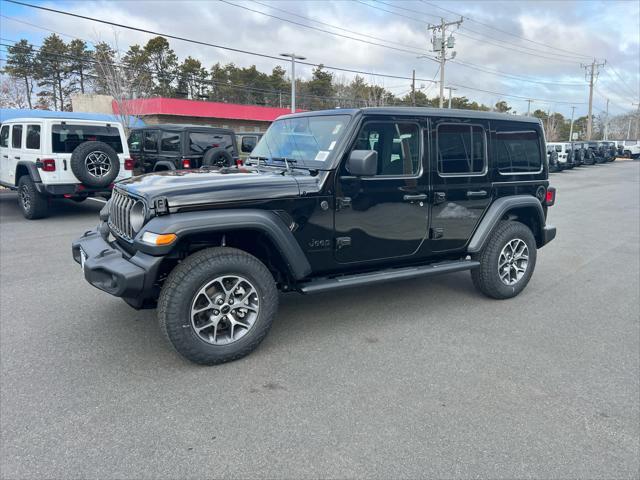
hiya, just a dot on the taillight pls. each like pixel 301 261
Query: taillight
pixel 128 164
pixel 550 198
pixel 239 162
pixel 186 163
pixel 48 165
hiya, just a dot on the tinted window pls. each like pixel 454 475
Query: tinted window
pixel 461 149
pixel 200 142
pixel 397 144
pixel 65 138
pixel 248 144
pixel 518 152
pixel 33 137
pixel 170 142
pixel 16 136
pixel 135 141
pixel 150 140
pixel 4 136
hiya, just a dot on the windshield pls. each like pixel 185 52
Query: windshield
pixel 307 141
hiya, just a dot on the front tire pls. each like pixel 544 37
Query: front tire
pixel 507 261
pixel 217 305
pixel 33 204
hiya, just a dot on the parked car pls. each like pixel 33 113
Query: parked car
pixel 611 152
pixel 157 148
pixel 565 154
pixel 247 142
pixel 631 149
pixel 586 155
pixel 338 198
pixel 552 158
pixel 43 158
pixel 598 151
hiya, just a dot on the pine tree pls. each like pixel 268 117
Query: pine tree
pixel 79 64
pixel 21 64
pixel 52 71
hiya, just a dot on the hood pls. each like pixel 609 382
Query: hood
pixel 206 186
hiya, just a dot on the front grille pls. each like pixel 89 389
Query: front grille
pixel 119 214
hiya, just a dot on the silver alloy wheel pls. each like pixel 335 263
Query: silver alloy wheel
pixel 225 309
pixel 25 198
pixel 513 261
pixel 98 164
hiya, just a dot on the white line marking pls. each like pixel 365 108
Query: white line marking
pixel 97 199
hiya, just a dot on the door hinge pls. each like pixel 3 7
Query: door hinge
pixel 342 242
pixel 435 233
pixel 343 202
pixel 439 197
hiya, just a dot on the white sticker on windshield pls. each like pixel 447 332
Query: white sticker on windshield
pixel 321 156
pixel 333 144
pixel 336 129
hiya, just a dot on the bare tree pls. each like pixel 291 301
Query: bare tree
pixel 13 93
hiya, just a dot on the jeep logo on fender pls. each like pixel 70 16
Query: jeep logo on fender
pixel 319 244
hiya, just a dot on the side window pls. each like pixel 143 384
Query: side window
pixel 4 136
pixel 200 142
pixel 518 152
pixel 170 142
pixel 33 137
pixel 16 136
pixel 135 141
pixel 461 149
pixel 150 140
pixel 397 144
pixel 248 144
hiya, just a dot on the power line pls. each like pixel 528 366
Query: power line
pixel 540 100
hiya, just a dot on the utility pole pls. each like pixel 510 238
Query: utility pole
pixel 573 109
pixel 440 45
pixel 450 90
pixel 637 121
pixel 413 89
pixel 606 123
pixel 293 58
pixel 529 107
pixel 591 73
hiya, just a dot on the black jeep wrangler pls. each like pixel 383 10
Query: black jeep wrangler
pixel 156 148
pixel 332 199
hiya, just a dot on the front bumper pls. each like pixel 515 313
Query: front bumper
pixel 113 270
pixel 548 234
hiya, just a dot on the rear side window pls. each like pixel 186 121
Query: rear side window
pixel 33 137
pixel 4 136
pixel 135 141
pixel 66 137
pixel 200 142
pixel 170 142
pixel 518 152
pixel 151 141
pixel 461 149
pixel 16 136
pixel 248 144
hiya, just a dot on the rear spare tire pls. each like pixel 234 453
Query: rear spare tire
pixel 217 157
pixel 95 164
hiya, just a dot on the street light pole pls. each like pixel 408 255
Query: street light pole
pixel 573 109
pixel 450 90
pixel 293 58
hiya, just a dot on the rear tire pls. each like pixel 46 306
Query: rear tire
pixel 504 271
pixel 33 204
pixel 217 305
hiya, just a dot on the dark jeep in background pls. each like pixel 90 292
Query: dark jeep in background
pixel 157 148
pixel 332 199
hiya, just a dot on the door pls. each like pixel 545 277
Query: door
pixel 135 147
pixel 460 179
pixel 386 215
pixel 4 154
pixel 170 148
pixel 149 149
pixel 15 150
pixel 32 144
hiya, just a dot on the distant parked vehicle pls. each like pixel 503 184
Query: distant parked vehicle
pixel 175 147
pixel 598 151
pixel 565 154
pixel 247 142
pixel 578 153
pixel 43 158
pixel 631 149
pixel 552 158
pixel 611 152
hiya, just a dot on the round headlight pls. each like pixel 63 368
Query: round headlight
pixel 137 216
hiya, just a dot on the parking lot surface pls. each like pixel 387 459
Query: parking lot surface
pixel 421 378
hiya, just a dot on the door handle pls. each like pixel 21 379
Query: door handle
pixel 479 193
pixel 16 157
pixel 414 198
pixel 5 156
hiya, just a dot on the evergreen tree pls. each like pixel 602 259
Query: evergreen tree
pixel 79 64
pixel 164 65
pixel 21 65
pixel 52 71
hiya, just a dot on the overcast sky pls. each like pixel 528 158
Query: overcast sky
pixel 566 33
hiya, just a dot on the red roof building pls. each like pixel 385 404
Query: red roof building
pixel 241 118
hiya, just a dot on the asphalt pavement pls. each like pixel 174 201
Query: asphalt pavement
pixel 421 378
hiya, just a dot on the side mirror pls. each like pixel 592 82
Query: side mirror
pixel 363 163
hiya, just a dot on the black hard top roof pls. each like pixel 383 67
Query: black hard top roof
pixel 420 111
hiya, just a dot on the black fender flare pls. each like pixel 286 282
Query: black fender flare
pixel 498 210
pixel 32 170
pixel 164 163
pixel 219 221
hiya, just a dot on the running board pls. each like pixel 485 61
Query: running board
pixel 345 281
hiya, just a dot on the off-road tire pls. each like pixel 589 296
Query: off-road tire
pixel 217 157
pixel 79 167
pixel 186 279
pixel 486 277
pixel 38 204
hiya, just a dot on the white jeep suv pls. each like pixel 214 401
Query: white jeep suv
pixel 58 157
